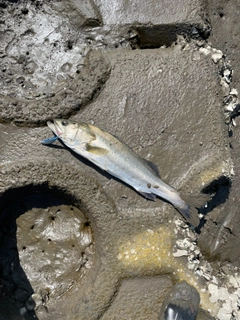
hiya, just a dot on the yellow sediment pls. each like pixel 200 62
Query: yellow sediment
pixel 153 250
pixel 213 172
pixel 207 176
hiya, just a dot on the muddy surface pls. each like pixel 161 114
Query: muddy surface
pixel 76 243
pixel 225 223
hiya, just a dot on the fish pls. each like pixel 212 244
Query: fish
pixel 115 157
pixel 49 140
pixel 182 303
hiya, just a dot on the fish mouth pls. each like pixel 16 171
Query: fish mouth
pixel 55 128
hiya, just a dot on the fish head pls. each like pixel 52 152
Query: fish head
pixel 72 133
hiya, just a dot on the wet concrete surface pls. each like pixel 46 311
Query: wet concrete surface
pixel 138 298
pixel 225 239
pixel 76 243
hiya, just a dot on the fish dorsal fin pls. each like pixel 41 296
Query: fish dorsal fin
pixel 151 166
pixel 96 150
pixel 148 163
pixel 85 127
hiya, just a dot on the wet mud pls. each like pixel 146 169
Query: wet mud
pixel 75 243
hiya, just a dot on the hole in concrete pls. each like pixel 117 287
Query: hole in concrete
pixel 220 190
pixel 70 44
pixel 214 186
pixel 74 280
pixel 155 36
pixel 3 5
pixel 25 11
pixel 21 251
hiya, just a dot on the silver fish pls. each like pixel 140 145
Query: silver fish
pixel 181 304
pixel 115 157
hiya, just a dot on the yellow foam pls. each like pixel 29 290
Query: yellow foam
pixel 207 176
pixel 153 250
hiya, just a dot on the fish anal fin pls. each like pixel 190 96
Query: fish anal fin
pixel 96 150
pixel 149 196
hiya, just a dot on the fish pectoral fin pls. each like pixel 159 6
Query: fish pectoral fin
pixel 96 150
pixel 149 196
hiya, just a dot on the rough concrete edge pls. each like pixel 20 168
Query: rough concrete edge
pixel 197 176
pixel 98 276
pixel 231 99
pixel 76 102
pixel 230 109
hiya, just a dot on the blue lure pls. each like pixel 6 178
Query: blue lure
pixel 49 140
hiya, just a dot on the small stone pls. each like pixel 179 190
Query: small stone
pixel 230 107
pixel 206 276
pixel 214 280
pixel 205 51
pixel 234 92
pixel 191 266
pixel 217 56
pixel 180 253
pixel 233 281
pixel 213 290
pixel 223 315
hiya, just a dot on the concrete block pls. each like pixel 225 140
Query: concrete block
pixel 153 12
pixel 139 298
pixel 166 105
pixel 155 22
pixel 168 113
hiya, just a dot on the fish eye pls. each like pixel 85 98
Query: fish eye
pixel 64 122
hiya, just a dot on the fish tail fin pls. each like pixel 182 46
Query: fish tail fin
pixel 197 200
pixel 190 213
pixel 189 207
